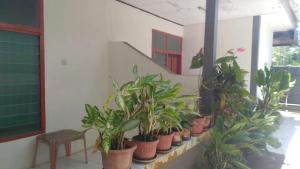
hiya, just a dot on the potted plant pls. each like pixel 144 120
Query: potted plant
pixel 197 126
pixel 169 118
pixel 187 119
pixel 227 82
pixel 156 116
pixel 111 124
pixel 153 96
pixel 144 94
pixel 186 107
pixel 177 139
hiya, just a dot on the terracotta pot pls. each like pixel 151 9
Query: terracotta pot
pixel 176 137
pixel 198 126
pixel 146 150
pixel 119 159
pixel 186 134
pixel 165 142
pixel 207 121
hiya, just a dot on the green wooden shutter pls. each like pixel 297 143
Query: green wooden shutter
pixel 19 84
pixel 19 12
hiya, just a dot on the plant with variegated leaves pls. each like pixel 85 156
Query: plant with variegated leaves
pixel 112 124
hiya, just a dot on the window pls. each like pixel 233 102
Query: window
pixel 167 51
pixel 22 110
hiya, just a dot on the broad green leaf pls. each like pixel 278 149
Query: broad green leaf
pixel 130 124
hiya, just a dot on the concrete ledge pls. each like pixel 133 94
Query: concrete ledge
pixel 163 159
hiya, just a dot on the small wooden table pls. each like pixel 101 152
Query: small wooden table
pixel 54 139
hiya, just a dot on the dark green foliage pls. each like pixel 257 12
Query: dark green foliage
pixel 197 60
pixel 243 125
pixel 187 118
pixel 225 148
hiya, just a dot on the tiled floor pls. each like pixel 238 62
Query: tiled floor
pixel 288 134
pixel 76 161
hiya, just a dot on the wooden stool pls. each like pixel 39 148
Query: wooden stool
pixel 56 138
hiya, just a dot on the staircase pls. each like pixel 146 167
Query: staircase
pixel 122 57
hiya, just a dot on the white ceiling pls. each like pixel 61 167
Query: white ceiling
pixel 187 11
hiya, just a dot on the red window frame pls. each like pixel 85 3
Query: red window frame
pixel 168 52
pixel 38 31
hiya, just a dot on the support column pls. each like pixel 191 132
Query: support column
pixel 255 53
pixel 210 48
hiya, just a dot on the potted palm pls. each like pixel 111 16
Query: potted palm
pixel 112 124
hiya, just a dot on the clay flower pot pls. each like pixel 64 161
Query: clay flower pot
pixel 165 142
pixel 146 150
pixel 207 121
pixel 177 137
pixel 186 134
pixel 198 126
pixel 119 159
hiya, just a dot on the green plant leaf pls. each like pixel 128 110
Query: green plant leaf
pixel 240 165
pixel 135 71
pixel 197 60
pixel 130 124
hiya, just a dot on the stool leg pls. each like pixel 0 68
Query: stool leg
pixel 53 155
pixel 85 151
pixel 36 146
pixel 68 149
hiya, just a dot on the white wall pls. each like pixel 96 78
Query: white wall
pixel 135 27
pixel 232 34
pixel 123 56
pixel 265 44
pixel 78 32
pixel 75 30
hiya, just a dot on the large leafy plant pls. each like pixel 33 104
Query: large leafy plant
pixel 188 112
pixel 273 87
pixel 182 111
pixel 260 129
pixel 243 125
pixel 228 83
pixel 155 101
pixel 225 150
pixel 230 142
pixel 111 124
